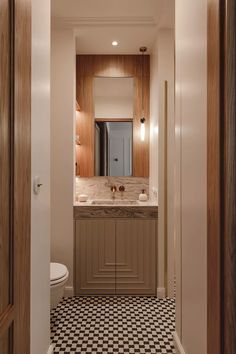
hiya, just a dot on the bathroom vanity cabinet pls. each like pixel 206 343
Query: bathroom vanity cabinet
pixel 115 256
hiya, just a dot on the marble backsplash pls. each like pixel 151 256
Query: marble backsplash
pixel 100 187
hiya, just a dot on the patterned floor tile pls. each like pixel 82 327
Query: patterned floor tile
pixel 106 324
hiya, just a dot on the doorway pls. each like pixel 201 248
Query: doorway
pixel 134 31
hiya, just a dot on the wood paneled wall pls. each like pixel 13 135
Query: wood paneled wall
pixel 229 179
pixel 221 176
pixel 90 66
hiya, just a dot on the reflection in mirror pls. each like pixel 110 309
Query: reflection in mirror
pixel 113 148
pixel 114 97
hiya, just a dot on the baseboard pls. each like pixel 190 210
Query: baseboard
pixel 69 291
pixel 178 346
pixel 50 349
pixel 161 293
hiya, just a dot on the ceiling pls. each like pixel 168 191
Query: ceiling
pixel 96 23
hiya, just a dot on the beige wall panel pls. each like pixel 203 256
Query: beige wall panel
pixel 62 148
pixel 191 134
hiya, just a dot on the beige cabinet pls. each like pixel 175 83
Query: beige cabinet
pixel 135 256
pixel 95 256
pixel 115 256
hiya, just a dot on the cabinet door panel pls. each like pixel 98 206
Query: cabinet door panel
pixel 136 257
pixel 95 257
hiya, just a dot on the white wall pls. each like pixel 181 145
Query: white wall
pixel 114 97
pixel 40 212
pixel 191 174
pixel 62 147
pixel 114 107
pixel 162 69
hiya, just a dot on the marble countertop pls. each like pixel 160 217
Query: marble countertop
pixel 85 210
pixel 121 203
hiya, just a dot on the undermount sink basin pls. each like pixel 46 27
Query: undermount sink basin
pixel 114 202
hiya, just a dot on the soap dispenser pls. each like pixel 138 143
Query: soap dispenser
pixel 143 196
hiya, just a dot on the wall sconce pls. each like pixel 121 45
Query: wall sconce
pixel 142 50
pixel 142 129
pixel 77 107
pixel 77 140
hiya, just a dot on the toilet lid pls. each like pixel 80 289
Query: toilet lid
pixel 57 271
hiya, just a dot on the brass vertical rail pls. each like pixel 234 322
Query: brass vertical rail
pixel 165 109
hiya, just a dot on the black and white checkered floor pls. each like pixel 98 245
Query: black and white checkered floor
pixel 102 325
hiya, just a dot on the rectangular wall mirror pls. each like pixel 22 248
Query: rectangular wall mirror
pixel 113 111
pixel 113 148
pixel 113 93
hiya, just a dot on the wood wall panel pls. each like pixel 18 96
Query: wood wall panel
pixel 5 236
pixel 229 51
pixel 85 127
pixel 90 66
pixel 221 176
pixel 112 65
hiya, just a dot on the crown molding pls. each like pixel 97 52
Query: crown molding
pixel 73 22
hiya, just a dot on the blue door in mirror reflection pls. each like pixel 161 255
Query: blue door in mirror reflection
pixel 113 147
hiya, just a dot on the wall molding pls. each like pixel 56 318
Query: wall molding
pixel 178 346
pixel 69 291
pixel 161 293
pixel 72 22
pixel 50 349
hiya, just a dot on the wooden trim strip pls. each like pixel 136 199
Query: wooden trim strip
pixel 166 184
pixel 113 120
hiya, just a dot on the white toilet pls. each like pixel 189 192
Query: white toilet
pixel 58 277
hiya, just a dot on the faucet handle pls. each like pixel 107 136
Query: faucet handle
pixel 122 188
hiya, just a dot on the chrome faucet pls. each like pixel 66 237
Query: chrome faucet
pixel 113 189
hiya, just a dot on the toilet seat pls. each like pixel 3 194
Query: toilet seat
pixel 58 273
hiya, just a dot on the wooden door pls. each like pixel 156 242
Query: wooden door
pixel 95 256
pixel 229 178
pixel 15 181
pixel 116 155
pixel 136 257
pixel 221 176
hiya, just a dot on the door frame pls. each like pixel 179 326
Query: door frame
pixel 221 176
pixel 17 142
pixel 22 174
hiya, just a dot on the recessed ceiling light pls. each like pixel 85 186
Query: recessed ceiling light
pixel 115 43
